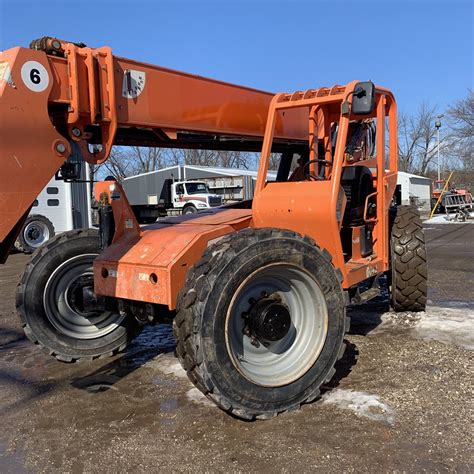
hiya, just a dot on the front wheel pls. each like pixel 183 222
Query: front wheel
pixel 189 209
pixel 261 322
pixel 57 305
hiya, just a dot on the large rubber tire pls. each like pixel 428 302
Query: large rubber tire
pixel 409 271
pixel 36 231
pixel 203 324
pixel 46 314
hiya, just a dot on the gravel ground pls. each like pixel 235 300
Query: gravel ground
pixel 400 400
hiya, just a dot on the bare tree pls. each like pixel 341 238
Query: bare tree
pixel 130 161
pixel 223 158
pixel 427 144
pixel 417 144
pixel 461 123
pixel 462 117
pixel 199 157
pixel 233 159
pixel 408 136
pixel 118 164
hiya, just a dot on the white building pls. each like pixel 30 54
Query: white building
pixel 415 189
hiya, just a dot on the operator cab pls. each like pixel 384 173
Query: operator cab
pixel 357 181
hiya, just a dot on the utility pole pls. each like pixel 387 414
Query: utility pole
pixel 438 126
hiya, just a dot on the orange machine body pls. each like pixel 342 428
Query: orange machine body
pixel 88 96
pixel 151 264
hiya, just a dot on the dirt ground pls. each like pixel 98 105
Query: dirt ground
pixel 401 399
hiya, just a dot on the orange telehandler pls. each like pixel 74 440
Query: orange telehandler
pixel 257 290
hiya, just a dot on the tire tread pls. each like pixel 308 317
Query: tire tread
pixel 20 301
pixel 408 260
pixel 192 299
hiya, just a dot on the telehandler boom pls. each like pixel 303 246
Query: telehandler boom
pixel 60 93
pixel 257 290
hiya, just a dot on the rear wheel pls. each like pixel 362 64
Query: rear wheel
pixel 261 322
pixel 408 260
pixel 35 232
pixel 57 305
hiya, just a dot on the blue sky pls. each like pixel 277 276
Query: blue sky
pixel 422 50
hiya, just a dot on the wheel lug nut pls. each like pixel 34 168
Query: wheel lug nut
pixel 254 342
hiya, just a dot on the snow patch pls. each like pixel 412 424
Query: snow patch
pixel 449 219
pixel 170 366
pixel 362 404
pixel 194 395
pixel 448 325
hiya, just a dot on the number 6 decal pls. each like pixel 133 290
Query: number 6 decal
pixel 35 76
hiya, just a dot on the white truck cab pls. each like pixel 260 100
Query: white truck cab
pixel 190 196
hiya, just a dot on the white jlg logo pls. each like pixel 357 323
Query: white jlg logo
pixel 35 76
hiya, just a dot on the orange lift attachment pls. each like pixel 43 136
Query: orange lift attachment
pixel 257 291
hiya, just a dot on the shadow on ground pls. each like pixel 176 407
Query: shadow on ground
pixel 154 340
pixel 160 339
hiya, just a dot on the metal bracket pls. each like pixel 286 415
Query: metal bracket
pixel 94 104
pixel 371 293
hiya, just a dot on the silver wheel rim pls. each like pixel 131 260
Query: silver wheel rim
pixel 36 233
pixel 288 359
pixel 59 311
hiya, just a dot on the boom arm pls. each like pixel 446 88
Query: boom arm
pixel 61 92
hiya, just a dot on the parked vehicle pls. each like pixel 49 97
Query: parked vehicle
pixel 451 199
pixel 157 194
pixel 61 206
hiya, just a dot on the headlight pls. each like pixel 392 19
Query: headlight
pixel 201 204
